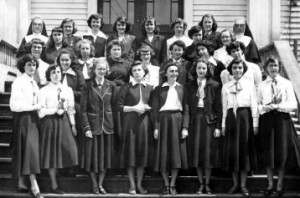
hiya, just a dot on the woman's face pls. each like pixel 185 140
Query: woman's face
pixel 172 73
pixel 36 50
pixel 145 56
pixel 68 28
pixel 177 52
pixel 121 27
pixel 273 69
pixel 57 37
pixel 85 50
pixel 55 75
pixel 201 69
pixel 202 51
pixel 237 71
pixel 207 24
pixel 96 24
pixel 179 29
pixel 138 73
pixel 37 25
pixel 150 26
pixel 116 51
pixel 197 37
pixel 236 53
pixel 30 68
pixel 65 61
pixel 239 26
pixel 101 70
pixel 225 38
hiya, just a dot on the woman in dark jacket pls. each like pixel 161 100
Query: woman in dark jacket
pixel 97 124
pixel 205 111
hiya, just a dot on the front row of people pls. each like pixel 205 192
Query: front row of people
pixel 185 121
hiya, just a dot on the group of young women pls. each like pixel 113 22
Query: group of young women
pixel 127 102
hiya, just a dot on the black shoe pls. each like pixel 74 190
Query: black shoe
pixel 233 190
pixel 166 190
pixel 245 191
pixel 269 192
pixel 102 190
pixel 208 189
pixel 22 190
pixel 36 194
pixel 142 191
pixel 58 190
pixel 173 190
pixel 96 191
pixel 278 193
pixel 200 190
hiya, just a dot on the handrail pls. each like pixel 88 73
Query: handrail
pixel 7 54
pixel 290 67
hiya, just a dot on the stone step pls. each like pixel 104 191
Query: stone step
pixel 5 165
pixel 4 98
pixel 5 150
pixel 7 86
pixel 5 135
pixel 5 110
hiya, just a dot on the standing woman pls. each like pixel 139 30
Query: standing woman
pixel 95 35
pixel 69 29
pixel 210 25
pixel 178 26
pixel 196 34
pixel 205 116
pixel 239 125
pixel 97 123
pixel 134 100
pixel 122 27
pixel 276 99
pixel 37 29
pixel 57 144
pixel 151 37
pixel 170 114
pixel 25 145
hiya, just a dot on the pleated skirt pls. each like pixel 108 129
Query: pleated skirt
pixel 25 144
pixel 57 143
pixel 240 152
pixel 171 151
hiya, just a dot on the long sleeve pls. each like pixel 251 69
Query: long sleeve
pixel 185 110
pixel 83 104
pixel 254 107
pixel 218 106
pixel 289 103
pixel 80 84
pixel 42 99
pixel 259 99
pixel 257 76
pixel 155 107
pixel 70 105
pixel 224 104
pixel 122 97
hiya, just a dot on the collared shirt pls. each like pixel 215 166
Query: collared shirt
pixel 244 39
pixel 222 55
pixel 41 72
pixel 172 101
pixel 24 92
pixel 171 40
pixel 176 61
pixel 99 34
pixel 99 83
pixel 69 71
pixel 51 95
pixel 85 68
pixel 288 100
pixel 153 76
pixel 203 83
pixel 246 97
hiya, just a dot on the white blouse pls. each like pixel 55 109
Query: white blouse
pixel 172 101
pixel 40 73
pixel 24 92
pixel 48 98
pixel 288 100
pixel 222 55
pixel 86 65
pixel 246 97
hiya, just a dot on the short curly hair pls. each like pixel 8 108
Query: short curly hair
pixel 144 48
pixel 195 29
pixel 214 25
pixel 99 61
pixel 208 45
pixel 147 19
pixel 135 63
pixel 27 58
pixel 178 21
pixel 237 61
pixel 112 43
pixel 85 41
pixel 179 43
pixel 165 69
pixel 66 51
pixel 122 20
pixel 68 20
pixel 235 45
pixel 51 68
pixel 272 59
pixel 96 17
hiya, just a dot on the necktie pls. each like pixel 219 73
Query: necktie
pixel 33 94
pixel 235 101
pixel 200 92
pixel 60 102
pixel 141 96
pixel 276 94
pixel 85 70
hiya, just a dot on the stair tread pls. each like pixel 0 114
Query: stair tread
pixel 5 130
pixel 5 159
pixel 4 105
pixel 6 117
pixel 5 93
pixel 4 144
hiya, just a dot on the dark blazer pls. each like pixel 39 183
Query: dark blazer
pixel 118 71
pixel 99 45
pixel 190 53
pixel 76 83
pixel 214 38
pixel 159 46
pixel 184 71
pixel 128 41
pixel 72 40
pixel 159 99
pixel 216 71
pixel 212 101
pixel 51 53
pixel 96 107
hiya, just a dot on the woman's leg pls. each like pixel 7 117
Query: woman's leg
pixel 21 182
pixel 34 185
pixel 174 174
pixel 280 179
pixel 235 178
pixel 207 175
pixel 243 179
pixel 200 174
pixel 101 177
pixel 140 175
pixel 94 180
pixel 270 177
pixel 52 174
pixel 165 175
pixel 131 173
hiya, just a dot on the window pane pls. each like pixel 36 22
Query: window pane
pixel 162 11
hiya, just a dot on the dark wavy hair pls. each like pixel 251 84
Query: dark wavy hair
pixel 195 29
pixel 135 63
pixel 272 59
pixel 179 43
pixel 214 25
pixel 71 55
pixel 112 43
pixel 208 45
pixel 165 69
pixel 178 21
pixel 27 58
pixel 68 20
pixel 51 68
pixel 149 18
pixel 29 45
pixel 194 67
pixel 237 61
pixel 122 20
pixel 235 45
pixel 85 41
pixel 96 17
pixel 144 47
pixel 51 42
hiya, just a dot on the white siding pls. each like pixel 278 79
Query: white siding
pixel 54 11
pixel 224 11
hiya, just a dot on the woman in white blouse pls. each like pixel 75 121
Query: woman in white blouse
pixel 58 148
pixel 276 99
pixel 239 125
pixel 25 145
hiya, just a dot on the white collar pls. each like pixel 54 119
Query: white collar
pixel 176 61
pixel 243 38
pixel 70 71
pixel 28 38
pixel 89 61
pixel 102 81
pixel 167 85
pixel 212 61
pixel 134 82
pixel 277 78
pixel 202 81
pixel 99 34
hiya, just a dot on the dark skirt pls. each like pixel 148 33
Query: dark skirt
pixel 57 143
pixel 203 145
pixel 25 144
pixel 171 152
pixel 135 139
pixel 239 142
pixel 98 153
pixel 276 140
